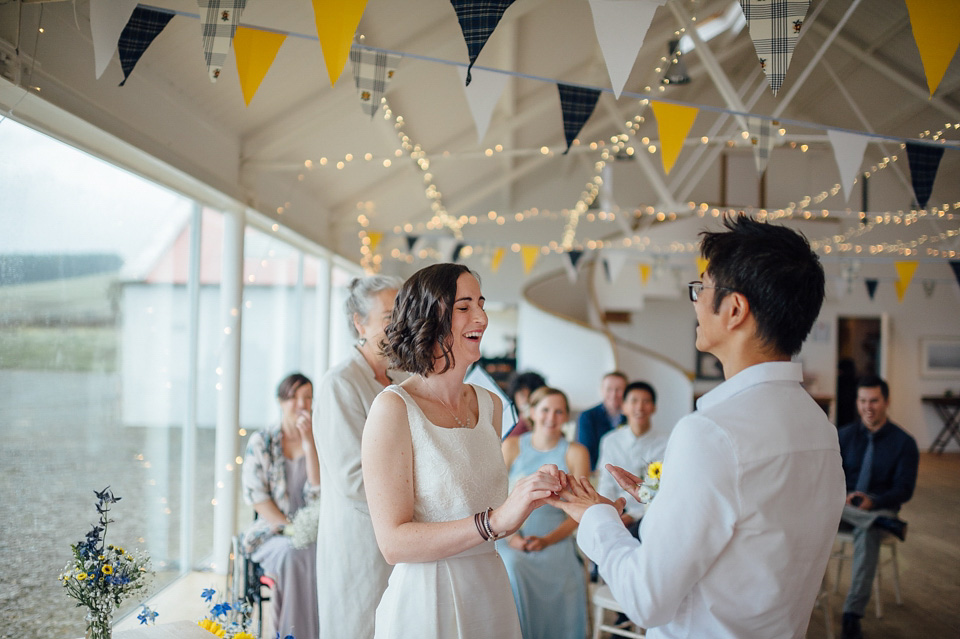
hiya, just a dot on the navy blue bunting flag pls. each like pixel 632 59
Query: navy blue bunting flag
pixel 577 104
pixel 924 162
pixel 478 19
pixel 141 30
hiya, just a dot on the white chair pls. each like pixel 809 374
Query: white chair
pixel 845 539
pixel 602 600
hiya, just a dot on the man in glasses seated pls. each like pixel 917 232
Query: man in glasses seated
pixel 736 541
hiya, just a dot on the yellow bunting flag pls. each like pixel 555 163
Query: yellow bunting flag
pixel 375 237
pixel 255 51
pixel 645 270
pixel 674 122
pixel 905 271
pixel 936 29
pixel 530 254
pixel 497 258
pixel 702 265
pixel 337 22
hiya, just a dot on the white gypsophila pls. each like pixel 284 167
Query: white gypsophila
pixel 646 494
pixel 303 529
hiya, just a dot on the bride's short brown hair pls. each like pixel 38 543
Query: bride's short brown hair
pixel 422 320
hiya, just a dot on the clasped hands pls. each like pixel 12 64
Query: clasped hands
pixel 577 493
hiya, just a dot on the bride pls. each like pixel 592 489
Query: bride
pixel 435 478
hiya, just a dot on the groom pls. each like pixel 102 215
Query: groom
pixel 736 542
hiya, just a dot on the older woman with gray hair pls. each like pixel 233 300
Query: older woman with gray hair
pixel 354 572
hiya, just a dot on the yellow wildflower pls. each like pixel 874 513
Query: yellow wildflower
pixel 654 469
pixel 119 550
pixel 101 557
pixel 243 635
pixel 128 557
pixel 211 626
pixel 81 576
pixel 108 569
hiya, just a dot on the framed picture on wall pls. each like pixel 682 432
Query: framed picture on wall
pixel 940 357
pixel 708 367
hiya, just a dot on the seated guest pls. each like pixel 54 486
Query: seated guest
pixel 281 475
pixel 520 389
pixel 541 558
pixel 880 464
pixel 594 423
pixel 632 448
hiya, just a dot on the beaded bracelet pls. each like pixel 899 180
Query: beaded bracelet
pixel 477 520
pixel 486 524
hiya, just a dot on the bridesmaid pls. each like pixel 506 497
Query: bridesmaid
pixel 435 478
pixel 548 581
pixel 354 574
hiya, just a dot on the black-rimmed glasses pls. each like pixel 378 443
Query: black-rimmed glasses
pixel 695 287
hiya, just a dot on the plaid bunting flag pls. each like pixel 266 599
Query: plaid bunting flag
pixel 144 25
pixel 924 161
pixel 775 26
pixel 218 23
pixel 762 141
pixel 372 72
pixel 577 105
pixel 478 19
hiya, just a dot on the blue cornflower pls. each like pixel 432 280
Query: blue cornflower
pixel 221 609
pixel 207 594
pixel 147 615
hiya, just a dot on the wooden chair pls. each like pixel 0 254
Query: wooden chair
pixel 602 600
pixel 844 540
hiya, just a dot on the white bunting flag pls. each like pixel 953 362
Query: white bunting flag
pixel 621 26
pixel 482 93
pixel 848 149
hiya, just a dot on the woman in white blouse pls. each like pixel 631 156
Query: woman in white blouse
pixel 354 572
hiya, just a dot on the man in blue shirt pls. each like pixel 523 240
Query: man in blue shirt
pixel 880 466
pixel 596 422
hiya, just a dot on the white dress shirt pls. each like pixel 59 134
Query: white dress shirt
pixel 736 542
pixel 622 448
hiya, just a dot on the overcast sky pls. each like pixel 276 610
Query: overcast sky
pixel 56 199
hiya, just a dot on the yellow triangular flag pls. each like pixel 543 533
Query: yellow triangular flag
pixel 674 122
pixel 530 254
pixel 702 265
pixel 375 237
pixel 255 51
pixel 905 271
pixel 337 21
pixel 497 257
pixel 645 270
pixel 936 28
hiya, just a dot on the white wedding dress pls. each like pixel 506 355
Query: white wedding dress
pixel 457 472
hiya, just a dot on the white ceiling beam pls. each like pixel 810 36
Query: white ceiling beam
pixel 796 84
pixel 917 90
pixel 714 70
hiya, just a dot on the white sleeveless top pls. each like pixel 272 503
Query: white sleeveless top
pixel 456 472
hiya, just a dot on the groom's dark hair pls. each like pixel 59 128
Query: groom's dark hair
pixel 775 269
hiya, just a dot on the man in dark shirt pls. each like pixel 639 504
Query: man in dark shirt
pixel 596 422
pixel 880 465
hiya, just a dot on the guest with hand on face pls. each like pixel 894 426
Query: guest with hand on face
pixel 281 475
pixel 541 558
pixel 435 479
pixel 521 387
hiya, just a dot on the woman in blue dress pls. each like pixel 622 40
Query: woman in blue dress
pixel 546 575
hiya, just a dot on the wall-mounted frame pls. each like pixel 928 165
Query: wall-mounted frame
pixel 708 367
pixel 940 357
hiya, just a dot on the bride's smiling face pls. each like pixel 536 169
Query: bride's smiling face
pixel 468 320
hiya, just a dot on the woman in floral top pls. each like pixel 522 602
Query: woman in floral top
pixel 281 474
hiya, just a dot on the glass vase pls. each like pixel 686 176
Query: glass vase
pixel 99 625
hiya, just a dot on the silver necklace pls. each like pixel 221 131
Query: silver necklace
pixel 444 404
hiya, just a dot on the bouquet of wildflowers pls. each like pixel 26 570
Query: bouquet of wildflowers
pixel 651 483
pixel 226 620
pixel 101 576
